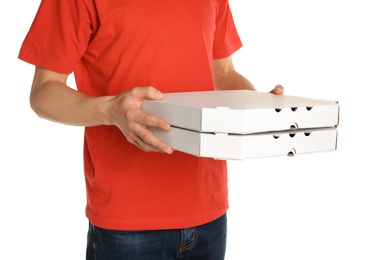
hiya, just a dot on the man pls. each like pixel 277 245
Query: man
pixel 144 201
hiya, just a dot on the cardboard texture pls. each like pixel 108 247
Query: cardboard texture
pixel 243 124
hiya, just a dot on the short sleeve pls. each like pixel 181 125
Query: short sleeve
pixel 226 38
pixel 58 36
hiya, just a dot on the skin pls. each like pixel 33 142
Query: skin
pixel 52 99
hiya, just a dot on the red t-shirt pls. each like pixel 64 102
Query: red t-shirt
pixel 113 46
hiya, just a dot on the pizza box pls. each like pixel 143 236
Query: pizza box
pixel 243 124
pixel 242 111
pixel 249 146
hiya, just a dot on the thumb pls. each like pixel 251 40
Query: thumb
pixel 278 90
pixel 150 93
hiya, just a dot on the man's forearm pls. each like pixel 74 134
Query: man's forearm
pixel 227 78
pixel 234 80
pixel 55 101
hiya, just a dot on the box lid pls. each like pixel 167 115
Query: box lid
pixel 242 111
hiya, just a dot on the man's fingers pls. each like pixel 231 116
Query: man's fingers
pixel 147 93
pixel 144 138
pixel 148 142
pixel 137 141
pixel 278 90
pixel 150 120
pixel 150 139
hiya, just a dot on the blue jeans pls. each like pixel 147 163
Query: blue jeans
pixel 205 242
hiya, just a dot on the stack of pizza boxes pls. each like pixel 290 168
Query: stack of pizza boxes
pixel 243 124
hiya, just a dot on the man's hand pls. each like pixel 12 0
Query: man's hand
pixel 278 90
pixel 127 115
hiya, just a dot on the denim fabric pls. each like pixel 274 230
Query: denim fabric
pixel 205 242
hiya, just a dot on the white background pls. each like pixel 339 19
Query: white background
pixel 332 205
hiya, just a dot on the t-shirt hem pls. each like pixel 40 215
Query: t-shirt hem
pixel 156 224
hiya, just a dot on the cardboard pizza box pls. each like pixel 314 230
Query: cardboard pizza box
pixel 250 146
pixel 241 124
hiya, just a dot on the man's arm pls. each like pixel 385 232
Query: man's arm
pixel 227 78
pixel 52 99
